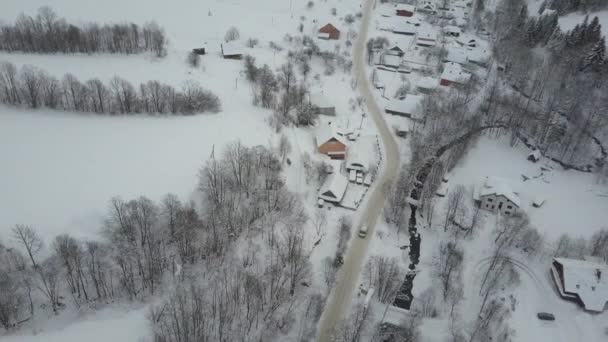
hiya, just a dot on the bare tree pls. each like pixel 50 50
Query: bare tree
pixel 385 276
pixel 232 34
pixel 284 147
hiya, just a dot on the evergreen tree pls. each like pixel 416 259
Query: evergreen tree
pixel 593 32
pixel 574 37
pixel 597 57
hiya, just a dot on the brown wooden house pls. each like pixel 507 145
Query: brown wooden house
pixel 329 31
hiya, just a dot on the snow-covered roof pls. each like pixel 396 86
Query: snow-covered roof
pixel 405 7
pixel 363 153
pixel 587 279
pixel 427 35
pixel 478 54
pixel 415 20
pixel 452 29
pixel 456 55
pixel 391 60
pixel 427 6
pixel 427 83
pixel 327 45
pixel 453 72
pixel 323 35
pixel 535 154
pixel 458 13
pixel 499 187
pixel 319 100
pixel 232 48
pixel 326 133
pixel 468 40
pixel 460 4
pixel 334 188
pixel 404 27
pixel 411 105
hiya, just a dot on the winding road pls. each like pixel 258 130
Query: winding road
pixel 343 291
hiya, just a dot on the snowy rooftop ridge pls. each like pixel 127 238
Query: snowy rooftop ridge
pixel 499 187
pixel 334 187
pixel 588 279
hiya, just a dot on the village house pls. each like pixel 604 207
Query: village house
pixel 410 107
pixel 232 50
pixel 583 281
pixel 330 143
pixel 390 61
pixel 405 10
pixel 201 50
pixel 321 104
pixel 334 188
pixel 453 74
pixel 496 195
pixel 329 31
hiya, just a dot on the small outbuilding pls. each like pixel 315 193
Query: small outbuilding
pixel 329 31
pixel 534 156
pixel 427 85
pixel 321 104
pixel 232 50
pixel 427 36
pixel 334 188
pixel 201 50
pixel 405 10
pixel 453 74
pixel 452 31
pixel 410 106
pixel 427 7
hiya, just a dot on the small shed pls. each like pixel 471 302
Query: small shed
pixel 321 104
pixel 453 74
pixel 427 6
pixel 329 31
pixel 405 10
pixel 201 50
pixel 538 202
pixel 334 188
pixel 410 106
pixel 427 85
pixel 232 50
pixel 534 156
pixel 452 31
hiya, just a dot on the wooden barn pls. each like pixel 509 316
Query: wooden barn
pixel 329 31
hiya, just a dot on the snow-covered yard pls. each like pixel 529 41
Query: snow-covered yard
pixel 575 202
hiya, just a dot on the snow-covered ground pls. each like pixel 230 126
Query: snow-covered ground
pixel 575 203
pixel 60 170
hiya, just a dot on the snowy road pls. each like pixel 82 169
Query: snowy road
pixel 338 304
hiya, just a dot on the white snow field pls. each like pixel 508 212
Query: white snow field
pixel 60 170
pixel 575 203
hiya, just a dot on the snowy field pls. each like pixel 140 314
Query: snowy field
pixel 575 203
pixel 60 170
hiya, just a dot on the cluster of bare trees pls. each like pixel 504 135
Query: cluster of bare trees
pixel 578 248
pixel 237 265
pixel 385 276
pixel 34 88
pixel 47 33
pixel 281 92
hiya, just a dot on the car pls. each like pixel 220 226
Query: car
pixel 363 231
pixel 545 316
